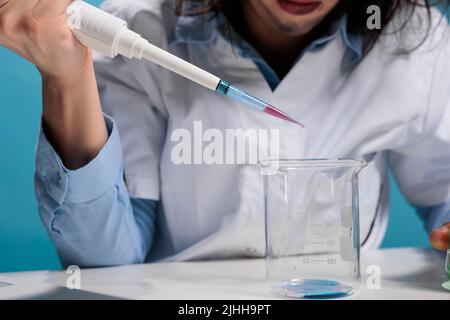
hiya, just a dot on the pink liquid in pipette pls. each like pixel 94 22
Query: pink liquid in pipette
pixel 277 113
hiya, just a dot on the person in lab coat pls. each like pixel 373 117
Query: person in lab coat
pixel 109 189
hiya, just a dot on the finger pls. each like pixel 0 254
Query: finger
pixel 50 8
pixel 3 3
pixel 439 238
pixel 11 13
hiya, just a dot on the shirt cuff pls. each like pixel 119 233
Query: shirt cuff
pixel 87 183
pixel 436 216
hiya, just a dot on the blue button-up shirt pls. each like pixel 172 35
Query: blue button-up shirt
pixel 88 212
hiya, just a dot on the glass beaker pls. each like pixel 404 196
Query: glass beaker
pixel 446 284
pixel 312 227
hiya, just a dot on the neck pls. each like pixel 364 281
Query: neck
pixel 279 50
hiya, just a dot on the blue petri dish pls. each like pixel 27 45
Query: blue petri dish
pixel 312 289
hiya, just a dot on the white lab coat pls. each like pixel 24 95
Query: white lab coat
pixel 389 109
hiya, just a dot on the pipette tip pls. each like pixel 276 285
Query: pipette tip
pixel 235 93
pixel 281 115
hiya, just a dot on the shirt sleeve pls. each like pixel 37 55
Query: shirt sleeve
pixel 88 212
pixel 422 171
pixel 435 216
pixel 422 167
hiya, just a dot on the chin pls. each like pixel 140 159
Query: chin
pixel 296 29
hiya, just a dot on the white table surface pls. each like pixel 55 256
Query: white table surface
pixel 407 273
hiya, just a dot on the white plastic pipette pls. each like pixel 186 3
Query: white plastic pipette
pixel 110 36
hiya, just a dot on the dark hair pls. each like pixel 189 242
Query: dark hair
pixel 356 11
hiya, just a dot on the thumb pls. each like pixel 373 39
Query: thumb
pixel 50 8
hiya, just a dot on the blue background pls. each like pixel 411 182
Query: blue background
pixel 24 244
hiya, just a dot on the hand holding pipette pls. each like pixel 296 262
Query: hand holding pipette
pixel 72 116
pixel 109 35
